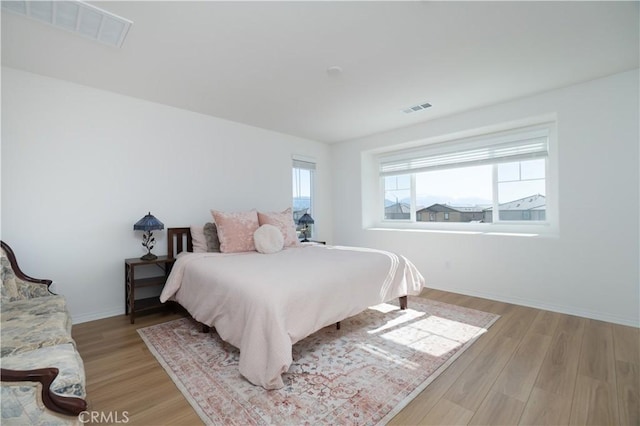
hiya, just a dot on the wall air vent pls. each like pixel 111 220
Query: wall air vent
pixel 415 108
pixel 75 16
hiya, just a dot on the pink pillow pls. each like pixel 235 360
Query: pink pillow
pixel 198 239
pixel 284 222
pixel 235 230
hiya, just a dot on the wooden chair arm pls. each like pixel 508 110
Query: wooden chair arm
pixel 16 269
pixel 60 404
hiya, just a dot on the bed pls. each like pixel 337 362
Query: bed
pixel 265 303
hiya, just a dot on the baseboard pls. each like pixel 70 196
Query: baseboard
pixel 569 310
pixel 92 316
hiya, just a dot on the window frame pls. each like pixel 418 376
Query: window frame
pixel 516 227
pixel 310 164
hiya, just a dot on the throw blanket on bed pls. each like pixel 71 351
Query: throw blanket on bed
pixel 264 303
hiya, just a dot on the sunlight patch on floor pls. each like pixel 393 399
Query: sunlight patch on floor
pixel 388 356
pixel 454 330
pixel 384 308
pixel 422 332
pixel 422 341
pixel 407 316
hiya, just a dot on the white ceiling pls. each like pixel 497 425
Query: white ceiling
pixel 265 63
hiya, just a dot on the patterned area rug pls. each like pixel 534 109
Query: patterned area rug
pixel 364 373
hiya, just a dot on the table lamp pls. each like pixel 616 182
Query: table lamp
pixel 305 220
pixel 148 224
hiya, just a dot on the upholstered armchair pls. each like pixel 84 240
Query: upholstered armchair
pixel 42 374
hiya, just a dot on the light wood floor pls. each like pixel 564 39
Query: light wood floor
pixel 532 367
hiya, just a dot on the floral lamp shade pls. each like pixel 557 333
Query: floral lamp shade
pixel 148 223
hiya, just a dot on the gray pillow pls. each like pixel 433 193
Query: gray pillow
pixel 211 236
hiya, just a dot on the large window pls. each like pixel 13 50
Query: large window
pixel 500 178
pixel 397 197
pixel 303 187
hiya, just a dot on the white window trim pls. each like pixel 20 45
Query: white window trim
pixel 308 163
pixel 548 227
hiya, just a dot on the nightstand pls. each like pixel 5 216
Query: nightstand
pixel 133 267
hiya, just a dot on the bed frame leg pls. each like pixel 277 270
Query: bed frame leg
pixel 338 325
pixel 403 302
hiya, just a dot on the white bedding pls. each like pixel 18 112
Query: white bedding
pixel 264 303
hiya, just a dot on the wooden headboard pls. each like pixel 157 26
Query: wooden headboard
pixel 176 239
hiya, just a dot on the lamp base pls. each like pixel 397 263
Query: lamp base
pixel 149 256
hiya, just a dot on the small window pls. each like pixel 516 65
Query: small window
pixel 303 178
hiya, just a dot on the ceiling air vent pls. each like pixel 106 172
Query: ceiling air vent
pixel 75 16
pixel 415 108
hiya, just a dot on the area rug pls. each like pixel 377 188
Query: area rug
pixel 364 373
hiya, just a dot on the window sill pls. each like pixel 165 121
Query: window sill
pixel 504 230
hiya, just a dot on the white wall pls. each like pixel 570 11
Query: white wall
pixel 80 166
pixel 591 268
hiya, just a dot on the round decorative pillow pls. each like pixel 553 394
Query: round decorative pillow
pixel 268 239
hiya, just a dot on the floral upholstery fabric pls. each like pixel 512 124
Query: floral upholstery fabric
pixel 14 288
pixel 35 332
pixel 70 380
pixel 34 323
pixel 22 405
